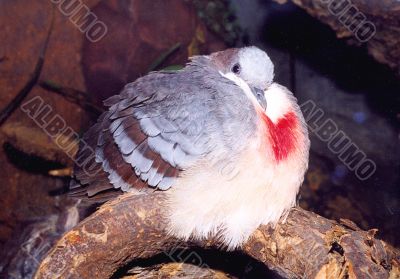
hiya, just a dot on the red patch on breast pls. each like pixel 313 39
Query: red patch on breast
pixel 282 135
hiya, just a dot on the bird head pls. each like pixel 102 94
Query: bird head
pixel 252 70
pixel 250 64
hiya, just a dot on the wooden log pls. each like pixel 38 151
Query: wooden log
pixel 306 245
pixel 175 270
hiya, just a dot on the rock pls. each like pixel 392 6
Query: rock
pixel 138 33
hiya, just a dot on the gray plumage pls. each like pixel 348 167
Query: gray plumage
pixel 173 119
pixel 219 132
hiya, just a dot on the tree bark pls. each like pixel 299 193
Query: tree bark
pixel 174 270
pixel 383 15
pixel 306 245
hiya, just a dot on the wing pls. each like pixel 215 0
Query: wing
pixel 158 126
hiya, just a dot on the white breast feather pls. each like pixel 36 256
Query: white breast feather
pixel 204 202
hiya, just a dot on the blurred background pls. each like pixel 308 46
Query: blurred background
pixel 340 58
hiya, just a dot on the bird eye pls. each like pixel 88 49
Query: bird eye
pixel 236 68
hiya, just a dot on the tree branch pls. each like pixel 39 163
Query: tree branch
pixel 174 270
pixel 306 245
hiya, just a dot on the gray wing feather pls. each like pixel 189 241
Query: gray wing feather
pixel 179 113
pixel 163 123
pixel 138 160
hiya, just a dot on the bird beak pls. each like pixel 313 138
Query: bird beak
pixel 259 94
